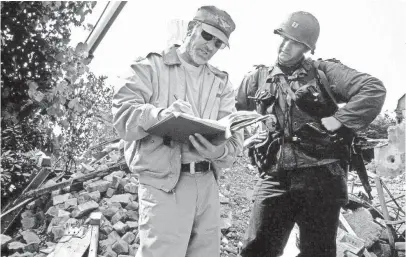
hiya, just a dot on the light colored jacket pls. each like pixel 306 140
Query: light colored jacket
pixel 149 87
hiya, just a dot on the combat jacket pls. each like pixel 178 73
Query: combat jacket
pixel 362 94
pixel 147 89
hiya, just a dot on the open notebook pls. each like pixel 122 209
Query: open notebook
pixel 179 126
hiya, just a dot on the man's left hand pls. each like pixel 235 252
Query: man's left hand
pixel 331 123
pixel 206 149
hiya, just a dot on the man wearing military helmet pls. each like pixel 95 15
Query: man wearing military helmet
pixel 303 159
pixel 178 193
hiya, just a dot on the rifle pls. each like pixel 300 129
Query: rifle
pixel 357 163
pixel 356 158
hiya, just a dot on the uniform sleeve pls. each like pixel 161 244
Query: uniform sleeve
pixel 248 87
pixel 363 94
pixel 132 112
pixel 235 143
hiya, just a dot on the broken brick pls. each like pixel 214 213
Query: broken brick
pixel 84 208
pixel 119 216
pixel 109 252
pixel 120 246
pixel 60 198
pixel 57 232
pixel 71 202
pixel 4 240
pixel 100 185
pixel 132 215
pixel 120 227
pixel 123 198
pixel 110 192
pixel 30 237
pixel 132 206
pixel 132 224
pixel 129 237
pixel 15 246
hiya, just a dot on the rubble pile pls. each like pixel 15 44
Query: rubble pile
pixel 115 196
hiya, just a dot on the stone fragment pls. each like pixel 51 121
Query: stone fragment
pixel 132 206
pixel 129 237
pixel 71 202
pixel 84 208
pixel 133 249
pixel 26 254
pixel 110 192
pixel 131 188
pixel 120 227
pixel 100 185
pixel 4 239
pixel 123 198
pixel 15 246
pixel 106 229
pixel 361 221
pixel 57 232
pixel 226 221
pixel 32 247
pixel 120 246
pixel 105 244
pixel 62 213
pixel 118 173
pixel 60 198
pixel 52 211
pixel 95 196
pixel 114 235
pixel 30 237
pixel 119 216
pixel 109 211
pixel 28 222
pixel 115 182
pixel 132 224
pixel 132 215
pixel 109 252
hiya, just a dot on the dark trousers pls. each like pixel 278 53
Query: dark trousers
pixel 311 198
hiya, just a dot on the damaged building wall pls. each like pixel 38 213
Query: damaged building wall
pixel 390 158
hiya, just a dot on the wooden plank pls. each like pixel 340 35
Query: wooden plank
pixel 351 232
pixel 71 246
pixel 94 241
pixel 8 219
pixel 390 229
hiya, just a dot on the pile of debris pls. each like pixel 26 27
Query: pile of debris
pixel 60 227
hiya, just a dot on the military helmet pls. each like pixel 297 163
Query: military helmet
pixel 302 27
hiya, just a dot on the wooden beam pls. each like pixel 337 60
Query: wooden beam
pixel 390 229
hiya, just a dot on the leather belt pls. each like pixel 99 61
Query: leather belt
pixel 202 166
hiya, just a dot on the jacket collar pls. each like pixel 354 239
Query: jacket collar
pixel 300 72
pixel 170 57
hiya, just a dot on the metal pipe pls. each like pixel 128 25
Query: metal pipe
pixel 107 18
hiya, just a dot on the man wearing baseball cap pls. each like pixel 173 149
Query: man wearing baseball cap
pixel 178 194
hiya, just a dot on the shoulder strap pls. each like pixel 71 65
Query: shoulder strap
pixel 324 82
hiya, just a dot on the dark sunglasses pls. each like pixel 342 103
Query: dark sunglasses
pixel 208 37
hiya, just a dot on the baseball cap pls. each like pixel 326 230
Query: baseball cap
pixel 216 22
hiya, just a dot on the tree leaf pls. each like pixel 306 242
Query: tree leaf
pixel 73 103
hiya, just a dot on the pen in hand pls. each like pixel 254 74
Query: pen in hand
pixel 175 96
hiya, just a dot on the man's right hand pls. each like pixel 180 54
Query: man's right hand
pixel 256 139
pixel 177 106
